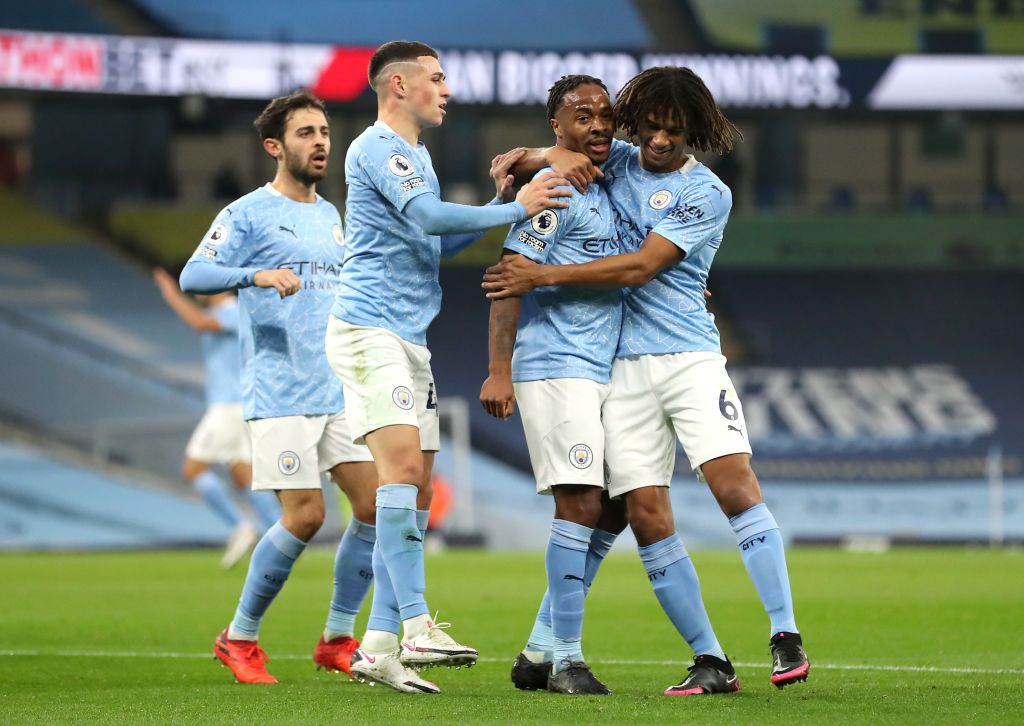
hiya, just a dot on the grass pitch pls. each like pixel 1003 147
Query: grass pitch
pixel 920 636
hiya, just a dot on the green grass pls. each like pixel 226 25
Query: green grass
pixel 942 609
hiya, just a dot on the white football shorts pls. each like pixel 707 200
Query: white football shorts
pixel 290 452
pixel 562 423
pixel 656 398
pixel 387 381
pixel 220 437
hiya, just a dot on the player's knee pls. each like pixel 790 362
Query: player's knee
pixel 578 504
pixel 404 471
pixel 303 519
pixel 734 485
pixel 650 515
pixel 365 511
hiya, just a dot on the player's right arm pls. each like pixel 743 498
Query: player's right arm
pixel 497 394
pixel 219 263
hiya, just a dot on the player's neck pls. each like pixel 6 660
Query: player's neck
pixel 292 188
pixel 402 123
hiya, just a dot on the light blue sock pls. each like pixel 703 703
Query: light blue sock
pixel 677 588
pixel 214 491
pixel 269 567
pixel 566 567
pixel 422 519
pixel 266 506
pixel 764 555
pixel 541 637
pixel 401 547
pixel 600 544
pixel 353 573
pixel 384 605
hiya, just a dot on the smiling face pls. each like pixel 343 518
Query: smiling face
pixel 662 140
pixel 427 91
pixel 584 123
pixel 306 145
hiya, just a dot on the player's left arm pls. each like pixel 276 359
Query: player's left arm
pixel 190 313
pixel 504 189
pixel 683 230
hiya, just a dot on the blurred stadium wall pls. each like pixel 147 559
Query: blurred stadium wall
pixel 869 287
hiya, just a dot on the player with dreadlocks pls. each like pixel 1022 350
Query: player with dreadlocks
pixel 556 360
pixel 669 378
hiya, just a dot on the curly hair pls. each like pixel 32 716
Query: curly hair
pixel 674 91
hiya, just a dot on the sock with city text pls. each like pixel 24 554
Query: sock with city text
pixel 677 588
pixel 271 563
pixel 764 556
pixel 353 574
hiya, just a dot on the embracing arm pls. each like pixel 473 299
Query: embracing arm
pixel 518 276
pixel 453 244
pixel 444 218
pixel 577 168
pixel 504 191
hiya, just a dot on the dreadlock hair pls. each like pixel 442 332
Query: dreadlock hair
pixel 674 91
pixel 565 84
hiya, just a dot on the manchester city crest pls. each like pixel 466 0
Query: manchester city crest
pixel 402 397
pixel 660 199
pixel 338 235
pixel 581 456
pixel 288 462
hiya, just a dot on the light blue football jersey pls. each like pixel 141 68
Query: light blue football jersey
pixel 389 279
pixel 568 331
pixel 221 355
pixel 690 208
pixel 284 362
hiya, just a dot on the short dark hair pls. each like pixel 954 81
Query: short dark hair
pixel 393 52
pixel 565 84
pixel 676 91
pixel 271 122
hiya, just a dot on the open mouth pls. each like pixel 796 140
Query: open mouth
pixel 599 146
pixel 319 159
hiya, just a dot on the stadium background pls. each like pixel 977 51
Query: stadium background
pixel 869 291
